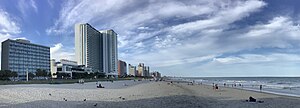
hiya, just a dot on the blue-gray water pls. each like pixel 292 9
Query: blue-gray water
pixel 279 85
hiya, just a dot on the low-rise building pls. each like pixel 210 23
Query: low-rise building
pixel 66 68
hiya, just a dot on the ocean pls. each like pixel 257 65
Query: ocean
pixel 289 86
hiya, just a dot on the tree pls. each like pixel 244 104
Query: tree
pixel 31 75
pixel 14 75
pixel 49 74
pixel 44 73
pixel 99 74
pixel 5 74
pixel 41 73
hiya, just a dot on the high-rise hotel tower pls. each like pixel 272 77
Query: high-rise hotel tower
pixel 96 49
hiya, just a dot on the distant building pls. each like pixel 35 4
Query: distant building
pixel 146 71
pixel 141 69
pixel 96 49
pixel 21 56
pixel 122 66
pixel 132 70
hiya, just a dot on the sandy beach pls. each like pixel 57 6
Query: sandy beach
pixel 138 94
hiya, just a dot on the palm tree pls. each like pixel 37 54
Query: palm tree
pixel 14 75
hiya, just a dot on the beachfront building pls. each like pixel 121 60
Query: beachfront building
pixel 96 49
pixel 53 68
pixel 146 71
pixel 23 57
pixel 110 52
pixel 141 69
pixel 122 66
pixel 88 50
pixel 132 70
pixel 66 68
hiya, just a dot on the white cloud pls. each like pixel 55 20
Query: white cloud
pixel 168 41
pixel 272 26
pixel 223 17
pixel 24 38
pixel 143 28
pixel 88 10
pixel 139 44
pixel 256 58
pixel 7 25
pixel 165 34
pixel 180 61
pixel 56 48
pixel 58 52
pixel 27 5
pixel 51 3
pixel 3 37
pixel 33 4
pixel 279 32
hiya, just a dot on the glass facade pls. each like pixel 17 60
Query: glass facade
pixel 24 57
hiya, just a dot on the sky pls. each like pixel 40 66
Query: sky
pixel 193 38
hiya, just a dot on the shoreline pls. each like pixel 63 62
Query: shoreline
pixel 269 92
pixel 241 88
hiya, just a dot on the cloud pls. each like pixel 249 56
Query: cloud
pixel 7 24
pixel 51 3
pixel 27 5
pixel 8 27
pixel 135 25
pixel 139 44
pixel 183 34
pixel 56 48
pixel 59 52
pixel 88 10
pixel 168 41
pixel 279 32
pixel 256 58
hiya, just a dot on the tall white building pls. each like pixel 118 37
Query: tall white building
pixel 96 49
pixel 88 46
pixel 110 52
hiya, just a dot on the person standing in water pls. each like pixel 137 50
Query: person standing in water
pixel 260 87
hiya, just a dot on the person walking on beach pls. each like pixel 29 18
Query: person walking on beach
pixel 216 87
pixel 260 87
